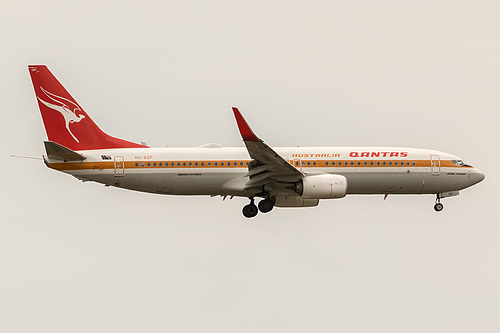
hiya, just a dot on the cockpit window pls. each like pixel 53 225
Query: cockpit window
pixel 459 163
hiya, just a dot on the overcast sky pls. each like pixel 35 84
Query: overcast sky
pixel 80 257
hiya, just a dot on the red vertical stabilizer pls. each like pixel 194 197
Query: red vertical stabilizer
pixel 65 120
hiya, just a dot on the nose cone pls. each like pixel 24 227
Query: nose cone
pixel 476 176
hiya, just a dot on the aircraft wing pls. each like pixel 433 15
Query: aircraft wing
pixel 267 165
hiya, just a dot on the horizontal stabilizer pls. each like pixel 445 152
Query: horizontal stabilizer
pixel 56 151
pixel 28 157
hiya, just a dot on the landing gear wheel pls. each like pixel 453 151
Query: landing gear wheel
pixel 266 205
pixel 438 207
pixel 250 210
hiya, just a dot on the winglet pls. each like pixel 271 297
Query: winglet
pixel 245 130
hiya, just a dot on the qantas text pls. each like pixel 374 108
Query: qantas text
pixel 378 154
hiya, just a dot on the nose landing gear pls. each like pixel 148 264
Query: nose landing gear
pixel 438 206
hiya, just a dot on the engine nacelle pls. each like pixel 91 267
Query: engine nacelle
pixel 324 186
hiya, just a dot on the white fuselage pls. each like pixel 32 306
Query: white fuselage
pixel 221 171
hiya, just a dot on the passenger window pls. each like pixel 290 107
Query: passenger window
pixel 142 164
pixel 216 164
pixel 314 163
pixel 333 163
pixel 359 163
pixel 221 163
pixel 184 163
pixel 378 162
pixel 413 163
pixel 190 163
pixel 149 164
pixel 396 163
pixel 178 163
pixel 326 163
pixel 209 163
pixel 384 163
pixel 228 163
pixel 371 163
pixel 366 163
pixel 352 163
pixel 154 163
pixel 390 163
pixel 202 163
pixel 136 164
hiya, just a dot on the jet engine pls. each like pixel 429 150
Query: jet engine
pixel 324 186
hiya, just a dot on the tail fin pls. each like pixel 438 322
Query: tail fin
pixel 65 120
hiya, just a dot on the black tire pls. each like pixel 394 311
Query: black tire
pixel 266 205
pixel 250 211
pixel 438 207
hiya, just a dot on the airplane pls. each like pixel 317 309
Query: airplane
pixel 280 177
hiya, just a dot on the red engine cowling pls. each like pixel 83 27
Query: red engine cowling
pixel 322 187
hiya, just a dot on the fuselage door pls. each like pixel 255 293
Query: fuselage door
pixel 435 165
pixel 119 166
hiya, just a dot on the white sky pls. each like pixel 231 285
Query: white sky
pixel 79 257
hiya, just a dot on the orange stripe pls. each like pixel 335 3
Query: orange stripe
pixel 319 164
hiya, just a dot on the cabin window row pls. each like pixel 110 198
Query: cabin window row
pixel 296 163
pixel 191 164
pixel 358 163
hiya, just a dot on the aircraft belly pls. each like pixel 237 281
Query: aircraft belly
pixel 383 183
pixel 401 183
pixel 226 183
pixel 199 184
pixel 162 183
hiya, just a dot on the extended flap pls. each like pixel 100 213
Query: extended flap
pixel 56 151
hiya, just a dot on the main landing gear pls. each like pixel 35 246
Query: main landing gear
pixel 438 206
pixel 251 210
pixel 266 205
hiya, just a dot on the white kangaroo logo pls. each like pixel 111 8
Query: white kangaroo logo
pixel 69 114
